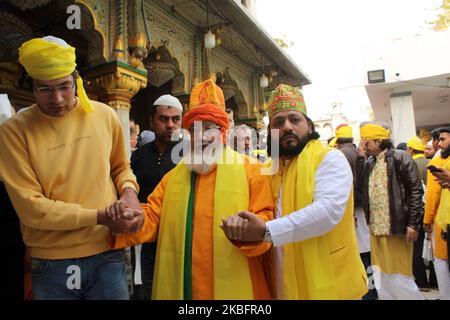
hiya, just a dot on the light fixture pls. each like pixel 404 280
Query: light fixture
pixel 376 76
pixel 210 38
pixel 263 80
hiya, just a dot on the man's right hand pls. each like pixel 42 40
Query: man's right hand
pixel 130 220
pixel 362 148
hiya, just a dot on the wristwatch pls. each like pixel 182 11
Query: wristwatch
pixel 267 235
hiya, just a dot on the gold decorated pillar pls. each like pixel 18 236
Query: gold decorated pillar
pixel 115 83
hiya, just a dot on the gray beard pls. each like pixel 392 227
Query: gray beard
pixel 199 164
pixel 202 168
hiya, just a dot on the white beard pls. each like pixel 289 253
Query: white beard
pixel 201 162
pixel 202 168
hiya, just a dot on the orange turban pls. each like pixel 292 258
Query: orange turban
pixel 207 104
pixel 207 92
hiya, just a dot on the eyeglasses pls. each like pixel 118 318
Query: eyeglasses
pixel 46 91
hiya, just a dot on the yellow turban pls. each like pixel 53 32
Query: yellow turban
pixel 374 131
pixel 344 131
pixel 416 144
pixel 51 58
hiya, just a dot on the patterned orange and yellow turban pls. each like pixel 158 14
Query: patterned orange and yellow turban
pixel 207 103
pixel 51 58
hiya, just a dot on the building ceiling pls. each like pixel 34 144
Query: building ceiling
pixel 431 99
pixel 250 43
pixel 49 18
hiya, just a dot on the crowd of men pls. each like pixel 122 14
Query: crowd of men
pixel 207 216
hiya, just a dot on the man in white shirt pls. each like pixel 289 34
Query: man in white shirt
pixel 315 252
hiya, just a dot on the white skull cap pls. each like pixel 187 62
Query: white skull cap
pixel 168 100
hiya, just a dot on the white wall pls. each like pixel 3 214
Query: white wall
pixel 411 57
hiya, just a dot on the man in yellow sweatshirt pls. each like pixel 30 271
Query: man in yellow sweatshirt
pixel 62 161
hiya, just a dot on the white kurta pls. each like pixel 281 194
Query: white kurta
pixel 333 184
pixel 395 286
pixel 442 275
pixel 362 231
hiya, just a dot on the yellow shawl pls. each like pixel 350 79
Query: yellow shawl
pixel 324 267
pixel 231 272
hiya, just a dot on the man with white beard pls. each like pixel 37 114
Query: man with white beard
pixel 194 258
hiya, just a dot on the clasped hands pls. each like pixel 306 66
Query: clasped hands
pixel 244 227
pixel 124 215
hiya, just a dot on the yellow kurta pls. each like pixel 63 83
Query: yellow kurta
pixel 432 200
pixel 443 215
pixel 391 254
pixel 260 203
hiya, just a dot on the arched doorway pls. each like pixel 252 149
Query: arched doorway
pixel 234 98
pixel 164 77
pixel 23 20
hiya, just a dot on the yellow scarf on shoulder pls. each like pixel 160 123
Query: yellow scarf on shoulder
pixel 232 278
pixel 418 156
pixel 443 215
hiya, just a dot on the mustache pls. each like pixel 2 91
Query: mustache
pixel 289 135
pixel 445 153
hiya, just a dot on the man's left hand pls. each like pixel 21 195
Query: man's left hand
pixel 249 228
pixel 129 196
pixel 411 235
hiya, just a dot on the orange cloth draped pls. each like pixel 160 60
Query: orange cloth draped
pixel 260 203
pixel 208 112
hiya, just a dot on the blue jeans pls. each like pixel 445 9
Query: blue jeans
pixel 98 277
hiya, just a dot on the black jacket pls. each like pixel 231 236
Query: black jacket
pixel 149 166
pixel 350 152
pixel 404 186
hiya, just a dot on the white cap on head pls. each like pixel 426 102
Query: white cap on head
pixel 430 143
pixel 56 40
pixel 168 100
pixel 5 108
